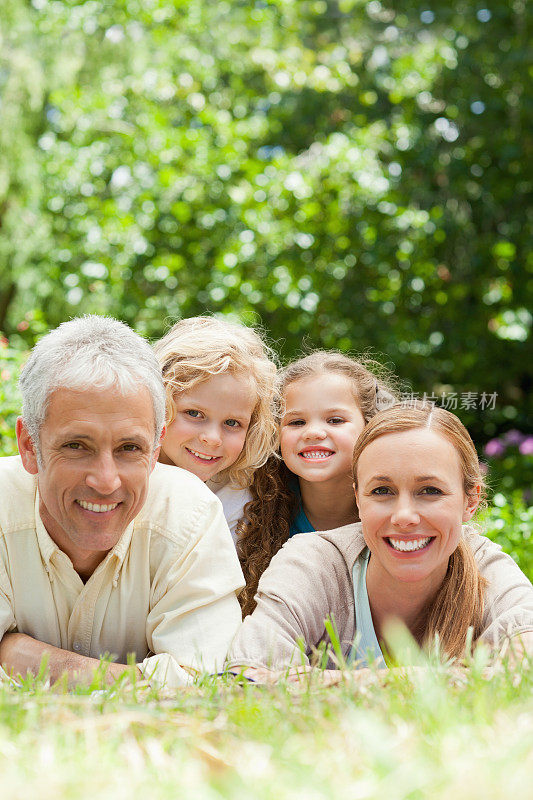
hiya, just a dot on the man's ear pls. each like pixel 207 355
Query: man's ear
pixel 26 448
pixel 158 448
pixel 472 502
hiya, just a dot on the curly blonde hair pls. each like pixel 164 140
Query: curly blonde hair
pixel 197 348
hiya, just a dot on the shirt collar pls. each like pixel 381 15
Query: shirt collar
pixel 48 547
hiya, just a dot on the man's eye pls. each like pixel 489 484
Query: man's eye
pixel 131 448
pixel 194 413
pixel 232 423
pixel 433 490
pixel 381 490
pixel 73 446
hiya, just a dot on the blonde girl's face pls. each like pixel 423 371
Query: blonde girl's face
pixel 412 505
pixel 209 430
pixel 320 426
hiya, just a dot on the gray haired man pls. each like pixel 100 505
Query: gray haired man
pixel 101 549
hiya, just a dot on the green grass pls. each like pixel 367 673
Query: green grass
pixel 433 735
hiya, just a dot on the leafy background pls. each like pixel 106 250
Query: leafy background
pixel 349 174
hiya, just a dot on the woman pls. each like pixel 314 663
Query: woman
pixel 412 558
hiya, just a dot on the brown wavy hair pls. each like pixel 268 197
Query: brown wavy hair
pixel 458 603
pixel 265 525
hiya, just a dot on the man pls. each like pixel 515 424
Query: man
pixel 101 550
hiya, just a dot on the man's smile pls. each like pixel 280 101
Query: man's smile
pixel 98 507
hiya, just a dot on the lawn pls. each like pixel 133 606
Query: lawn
pixel 436 733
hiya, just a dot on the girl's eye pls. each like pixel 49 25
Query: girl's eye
pixel 232 423
pixel 194 413
pixel 381 490
pixel 336 420
pixel 430 490
pixel 296 422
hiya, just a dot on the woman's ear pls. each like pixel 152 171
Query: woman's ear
pixel 472 502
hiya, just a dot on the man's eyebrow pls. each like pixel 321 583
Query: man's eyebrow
pixel 73 435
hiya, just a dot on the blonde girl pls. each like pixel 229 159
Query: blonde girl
pixel 220 392
pixel 327 398
pixel 414 557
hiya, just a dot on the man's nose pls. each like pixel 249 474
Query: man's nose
pixel 103 476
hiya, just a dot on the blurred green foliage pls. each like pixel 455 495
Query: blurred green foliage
pixel 509 522
pixel 11 362
pixel 354 174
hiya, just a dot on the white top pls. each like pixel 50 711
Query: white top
pixel 233 501
pixel 166 592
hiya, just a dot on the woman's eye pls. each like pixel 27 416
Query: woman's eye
pixel 381 490
pixel 194 413
pixel 430 490
pixel 232 423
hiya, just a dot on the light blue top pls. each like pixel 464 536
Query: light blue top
pixel 366 649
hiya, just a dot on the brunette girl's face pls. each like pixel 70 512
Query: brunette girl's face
pixel 209 429
pixel 320 426
pixel 412 504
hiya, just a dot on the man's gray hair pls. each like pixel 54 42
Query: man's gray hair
pixel 85 353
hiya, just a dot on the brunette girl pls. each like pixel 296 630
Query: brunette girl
pixel 327 398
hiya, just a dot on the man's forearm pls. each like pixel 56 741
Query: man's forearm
pixel 20 654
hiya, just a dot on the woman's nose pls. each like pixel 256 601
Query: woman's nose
pixel 405 513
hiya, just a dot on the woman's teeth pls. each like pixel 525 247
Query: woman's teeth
pixel 410 545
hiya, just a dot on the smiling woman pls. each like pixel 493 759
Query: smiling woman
pixel 413 558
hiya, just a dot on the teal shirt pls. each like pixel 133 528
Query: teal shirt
pixel 300 523
pixel 366 649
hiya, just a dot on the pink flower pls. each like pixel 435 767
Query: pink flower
pixel 513 437
pixel 526 446
pixel 494 448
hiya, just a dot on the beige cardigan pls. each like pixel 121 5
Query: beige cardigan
pixel 310 579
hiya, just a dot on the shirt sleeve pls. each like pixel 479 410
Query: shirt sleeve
pixel 194 612
pixel 7 617
pixel 508 595
pixel 296 594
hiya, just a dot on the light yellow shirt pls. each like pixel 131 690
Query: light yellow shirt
pixel 166 592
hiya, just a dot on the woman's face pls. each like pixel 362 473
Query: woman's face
pixel 412 504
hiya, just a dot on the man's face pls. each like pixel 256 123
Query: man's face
pixel 97 450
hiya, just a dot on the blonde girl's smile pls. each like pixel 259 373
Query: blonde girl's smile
pixel 209 428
